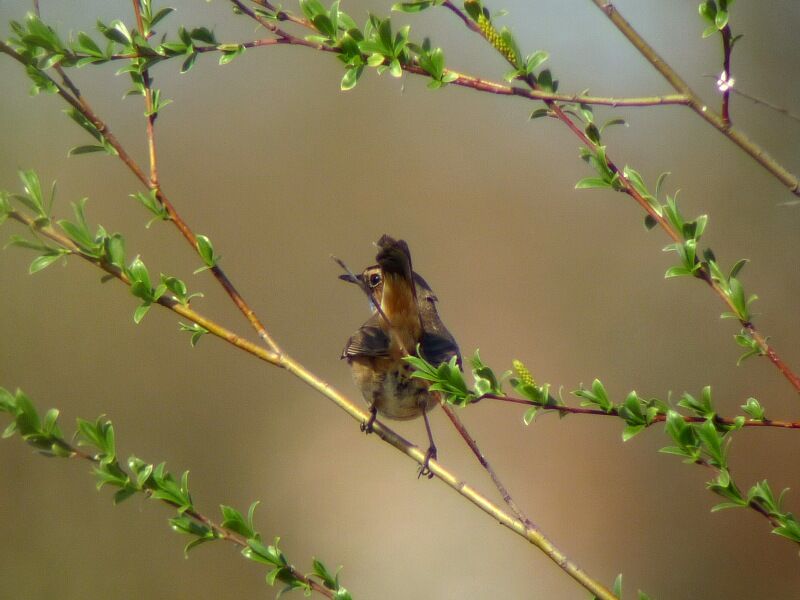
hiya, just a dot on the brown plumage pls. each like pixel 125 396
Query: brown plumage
pixel 407 317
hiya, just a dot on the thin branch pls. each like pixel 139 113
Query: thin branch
pixel 702 272
pixel 473 445
pixel 696 104
pixel 386 434
pixel 150 114
pixel 581 410
pixel 784 111
pixel 219 531
pixel 727 46
pixel 71 94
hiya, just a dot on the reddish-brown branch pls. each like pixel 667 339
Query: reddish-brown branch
pixel 218 530
pixel 696 104
pixel 726 70
pixel 72 95
pixel 629 189
pixel 473 445
pixel 150 114
pixel 582 410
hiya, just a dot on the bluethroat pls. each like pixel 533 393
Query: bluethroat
pixel 404 316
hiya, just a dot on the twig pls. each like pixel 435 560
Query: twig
pixel 218 530
pixel 72 95
pixel 695 103
pixel 726 73
pixel 581 410
pixel 148 103
pixel 457 423
pixel 629 189
pixel 386 434
pixel 756 100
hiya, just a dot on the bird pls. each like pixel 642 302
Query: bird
pixel 404 318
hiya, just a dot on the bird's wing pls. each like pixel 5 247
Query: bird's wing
pixel 369 340
pixel 439 347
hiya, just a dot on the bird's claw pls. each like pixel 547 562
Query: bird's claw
pixel 425 470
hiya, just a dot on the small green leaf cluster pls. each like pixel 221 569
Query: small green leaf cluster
pixel 607 178
pixel 377 45
pixel 282 571
pixel 151 202
pixel 637 412
pixel 149 18
pixel 196 330
pixel 141 287
pixel 432 61
pixel 715 14
pixel 32 198
pixel 527 72
pixel 156 483
pixel 106 249
pixel 385 50
pixel 103 146
pixel 42 48
pixel 206 251
pixel 446 378
pixel 338 30
pixel 732 287
pixel 42 433
pixel 707 443
pixel 330 580
pixel 687 248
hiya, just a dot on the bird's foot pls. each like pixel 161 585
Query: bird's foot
pixel 425 470
pixel 367 427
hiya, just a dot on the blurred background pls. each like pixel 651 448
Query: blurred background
pixel 281 169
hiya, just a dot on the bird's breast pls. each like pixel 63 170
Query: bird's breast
pixel 387 384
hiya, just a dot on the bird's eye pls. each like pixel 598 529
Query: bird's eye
pixel 374 279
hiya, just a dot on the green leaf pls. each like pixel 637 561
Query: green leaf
pixel 160 15
pixel 87 149
pixel 530 415
pixel 753 408
pixel 412 7
pixel 350 78
pixel 140 312
pixel 617 589
pixel 206 250
pixel 229 52
pixel 535 60
pixel 592 183
pixel 233 520
pixel 44 261
pixel 712 443
pixel 189 62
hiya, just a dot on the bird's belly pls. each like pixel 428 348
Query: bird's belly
pixel 388 385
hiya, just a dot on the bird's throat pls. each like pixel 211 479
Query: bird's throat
pixel 399 304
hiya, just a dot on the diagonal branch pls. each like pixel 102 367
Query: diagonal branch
pixel 703 271
pixel 534 536
pixel 695 103
pixel 582 410
pixel 72 95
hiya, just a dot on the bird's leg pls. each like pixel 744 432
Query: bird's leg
pixel 373 413
pixel 424 470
